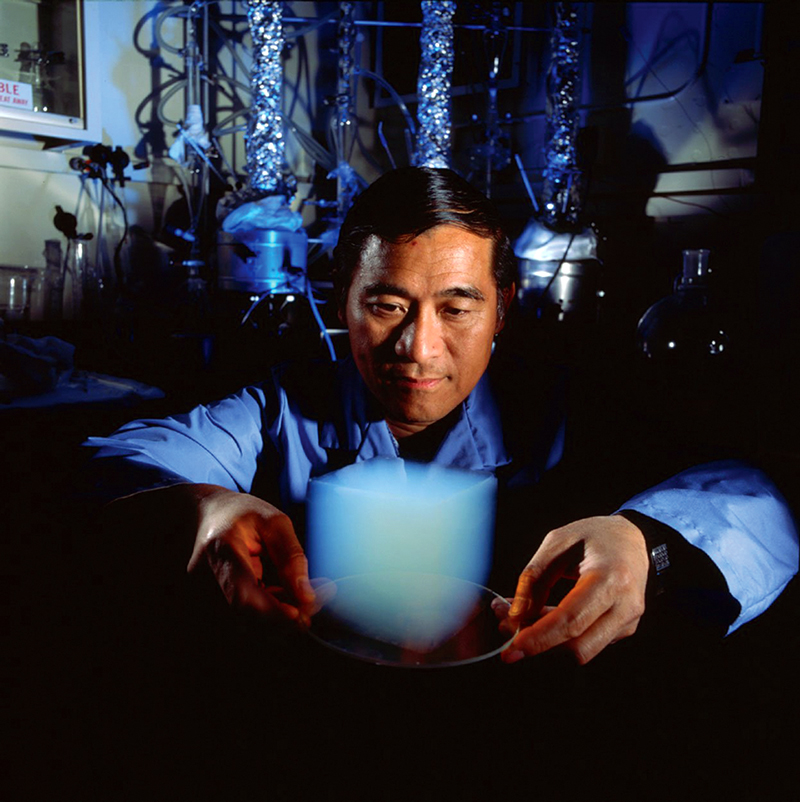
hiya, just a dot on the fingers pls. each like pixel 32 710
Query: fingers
pixel 589 618
pixel 288 557
pixel 244 591
pixel 500 607
pixel 510 626
pixel 605 631
pixel 608 629
pixel 552 561
pixel 608 557
pixel 241 536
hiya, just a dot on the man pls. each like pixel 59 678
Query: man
pixel 425 276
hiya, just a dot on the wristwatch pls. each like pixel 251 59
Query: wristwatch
pixel 659 564
pixel 697 591
pixel 657 551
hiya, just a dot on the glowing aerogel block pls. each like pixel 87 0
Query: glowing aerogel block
pixel 403 527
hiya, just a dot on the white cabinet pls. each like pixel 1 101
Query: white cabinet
pixel 49 60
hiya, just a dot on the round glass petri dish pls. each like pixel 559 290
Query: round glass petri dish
pixel 410 620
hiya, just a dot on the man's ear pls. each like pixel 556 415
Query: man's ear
pixel 342 316
pixel 507 296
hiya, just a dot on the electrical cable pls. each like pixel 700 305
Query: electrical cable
pixel 220 130
pixel 698 73
pixel 317 152
pixel 304 104
pixel 149 98
pixel 385 144
pixel 166 98
pixel 201 153
pixel 651 60
pixel 222 156
pixel 358 71
pixel 222 78
pixel 101 239
pixel 641 73
pixel 203 193
pixel 117 250
pixel 330 17
pixel 526 182
pixel 179 83
pixel 634 101
pixel 253 306
pixel 149 53
pixel 178 170
pixel 334 139
pixel 264 295
pixel 80 196
pixel 689 203
pixel 301 60
pixel 65 266
pixel 318 318
pixel 230 47
pixel 174 11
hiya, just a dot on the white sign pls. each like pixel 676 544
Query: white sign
pixel 16 94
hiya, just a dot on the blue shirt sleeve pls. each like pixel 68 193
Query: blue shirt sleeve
pixel 735 514
pixel 216 444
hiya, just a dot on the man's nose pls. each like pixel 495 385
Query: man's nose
pixel 421 339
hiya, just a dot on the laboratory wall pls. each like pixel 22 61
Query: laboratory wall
pixel 692 75
pixel 679 141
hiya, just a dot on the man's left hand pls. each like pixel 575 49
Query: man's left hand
pixel 607 557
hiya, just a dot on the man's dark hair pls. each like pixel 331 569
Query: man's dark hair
pixel 404 203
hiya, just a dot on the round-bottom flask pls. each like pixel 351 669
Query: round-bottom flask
pixel 684 326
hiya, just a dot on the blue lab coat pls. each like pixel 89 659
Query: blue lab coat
pixel 271 439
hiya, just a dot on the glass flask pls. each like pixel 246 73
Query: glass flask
pixel 53 280
pixel 75 279
pixel 685 326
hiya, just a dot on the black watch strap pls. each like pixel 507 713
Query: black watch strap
pixel 658 543
pixel 684 574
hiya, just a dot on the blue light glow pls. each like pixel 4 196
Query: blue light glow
pixel 405 524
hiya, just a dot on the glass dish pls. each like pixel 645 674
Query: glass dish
pixel 409 620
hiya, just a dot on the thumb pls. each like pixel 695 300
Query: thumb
pixel 289 559
pixel 552 561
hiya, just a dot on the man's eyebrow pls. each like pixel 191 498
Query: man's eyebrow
pixel 468 291
pixel 384 288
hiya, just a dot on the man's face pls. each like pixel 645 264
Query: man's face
pixel 422 316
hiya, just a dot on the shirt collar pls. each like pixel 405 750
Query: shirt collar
pixel 474 442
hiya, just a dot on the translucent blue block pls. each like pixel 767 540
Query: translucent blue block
pixel 400 525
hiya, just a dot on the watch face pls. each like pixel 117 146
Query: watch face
pixel 660 557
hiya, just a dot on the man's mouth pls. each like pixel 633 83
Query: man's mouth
pixel 415 383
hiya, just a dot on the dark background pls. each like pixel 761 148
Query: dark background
pixel 124 680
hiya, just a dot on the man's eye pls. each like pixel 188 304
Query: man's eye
pixel 455 312
pixel 385 309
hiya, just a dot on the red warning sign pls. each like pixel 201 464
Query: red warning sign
pixel 16 94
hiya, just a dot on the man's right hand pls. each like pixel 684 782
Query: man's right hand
pixel 238 537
